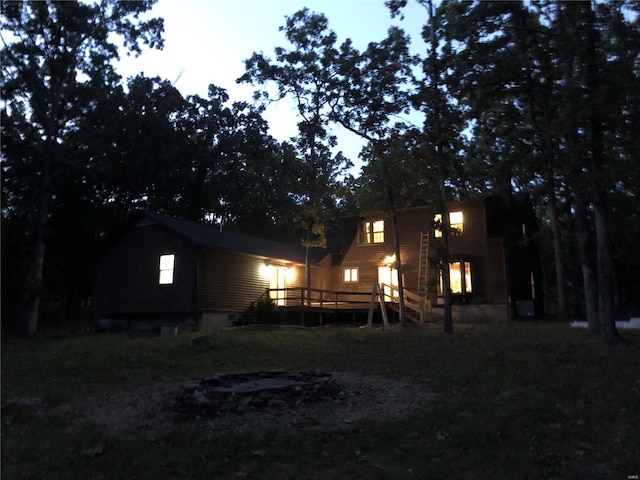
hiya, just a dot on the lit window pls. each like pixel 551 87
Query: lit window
pixel 167 263
pixel 459 278
pixel 456 223
pixel 372 232
pixel 533 286
pixel 350 275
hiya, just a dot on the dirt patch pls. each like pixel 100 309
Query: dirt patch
pixel 155 408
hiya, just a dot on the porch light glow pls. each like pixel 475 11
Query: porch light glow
pixel 291 274
pixel 389 260
pixel 266 271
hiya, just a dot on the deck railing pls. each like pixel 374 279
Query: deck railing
pixel 302 297
pixel 318 298
pixel 412 301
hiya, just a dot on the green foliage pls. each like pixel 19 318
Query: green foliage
pixel 56 59
pixel 529 86
pixel 511 99
pixel 266 311
pixel 306 73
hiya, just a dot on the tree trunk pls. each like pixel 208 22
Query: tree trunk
pixel 604 248
pixel 589 273
pixel 556 234
pixel 34 281
pixel 447 322
pixel 584 234
pixel 307 266
pixel 396 245
pixel 606 272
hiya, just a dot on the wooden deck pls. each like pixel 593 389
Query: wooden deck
pixel 319 303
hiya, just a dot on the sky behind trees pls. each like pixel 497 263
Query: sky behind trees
pixel 548 92
pixel 207 41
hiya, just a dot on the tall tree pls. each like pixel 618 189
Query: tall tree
pixel 441 129
pixel 260 177
pixel 305 74
pixel 55 58
pixel 374 87
pixel 531 79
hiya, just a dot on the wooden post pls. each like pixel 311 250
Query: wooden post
pixel 383 308
pixel 372 303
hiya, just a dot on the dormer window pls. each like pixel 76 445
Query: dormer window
pixel 456 224
pixel 372 232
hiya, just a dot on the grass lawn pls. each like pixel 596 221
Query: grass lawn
pixel 516 401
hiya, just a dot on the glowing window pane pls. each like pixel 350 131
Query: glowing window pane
pixel 456 223
pixel 378 231
pixel 467 277
pixel 533 286
pixel 350 275
pixel 437 220
pixel 167 263
pixel 459 278
pixel 455 217
pixel 455 278
pixel 372 232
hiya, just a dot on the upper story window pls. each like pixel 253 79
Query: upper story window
pixel 167 263
pixel 372 232
pixel 456 224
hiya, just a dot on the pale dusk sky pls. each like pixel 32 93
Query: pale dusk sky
pixel 207 41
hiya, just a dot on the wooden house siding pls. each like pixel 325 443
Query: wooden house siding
pixel 228 281
pixel 231 282
pixel 487 229
pixel 127 274
pixel 484 253
pixel 474 232
pixel 412 223
pixel 220 274
pixel 367 258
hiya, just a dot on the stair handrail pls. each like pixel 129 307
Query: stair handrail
pixel 413 301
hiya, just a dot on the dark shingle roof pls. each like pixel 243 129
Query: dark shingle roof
pixel 208 235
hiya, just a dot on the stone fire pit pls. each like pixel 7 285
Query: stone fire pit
pixel 239 393
pixel 252 401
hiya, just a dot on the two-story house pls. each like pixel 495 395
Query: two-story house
pixel 494 263
pixel 160 270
